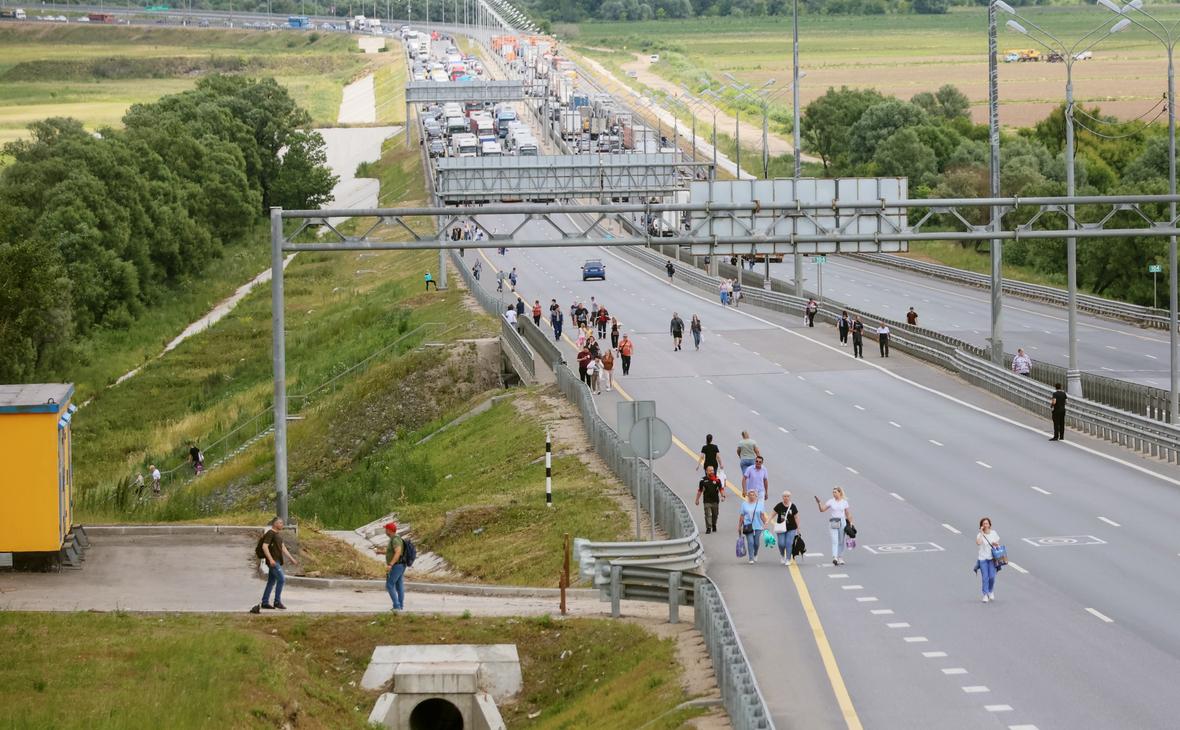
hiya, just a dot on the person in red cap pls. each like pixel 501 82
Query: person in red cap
pixel 395 567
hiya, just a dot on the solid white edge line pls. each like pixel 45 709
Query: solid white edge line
pixel 1100 616
pixel 1071 443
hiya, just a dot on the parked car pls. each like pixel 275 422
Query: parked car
pixel 593 269
pixel 437 148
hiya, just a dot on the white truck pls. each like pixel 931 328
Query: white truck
pixel 464 145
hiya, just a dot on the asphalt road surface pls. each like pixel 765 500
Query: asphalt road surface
pixel 1105 347
pixel 1082 633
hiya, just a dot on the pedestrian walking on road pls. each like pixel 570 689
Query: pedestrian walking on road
pixel 677 329
pixel 735 295
pixel 500 276
pixel 810 312
pixel 592 371
pixel 430 280
pixel 556 320
pixel 583 364
pixel 670 269
pixel 747 451
pixel 395 567
pixel 608 370
pixel 271 549
pixel 1022 364
pixel 786 526
pixel 710 455
pixel 911 318
pixel 593 309
pixel 475 270
pixel 858 342
pixel 537 312
pixel 626 347
pixel 723 291
pixel 694 327
pixel 985 562
pixel 839 516
pixel 510 316
pixel 519 309
pixel 614 333
pixel 883 339
pixel 603 319
pixel 711 491
pixel 751 521
pixel 843 325
pixel 1057 404
pixel 756 479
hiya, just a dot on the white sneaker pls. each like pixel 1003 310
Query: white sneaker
pixel 985 599
pixel 991 596
pixel 839 561
pixel 788 563
pixel 751 561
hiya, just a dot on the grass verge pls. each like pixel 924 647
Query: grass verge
pixel 120 670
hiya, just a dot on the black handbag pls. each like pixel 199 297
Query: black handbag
pixel 850 530
pixel 798 547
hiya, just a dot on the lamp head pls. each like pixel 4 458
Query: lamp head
pixel 1017 27
pixel 1120 25
pixel 1111 6
pixel 1001 5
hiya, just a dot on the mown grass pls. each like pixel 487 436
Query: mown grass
pixel 95 73
pixel 120 670
pixel 475 494
pixel 389 87
pixel 949 253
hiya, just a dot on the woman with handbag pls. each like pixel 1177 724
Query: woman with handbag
pixel 839 516
pixel 988 557
pixel 786 526
pixel 751 521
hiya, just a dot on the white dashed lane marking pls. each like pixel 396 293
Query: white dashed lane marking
pixel 976 689
pixel 936 443
pixel 882 612
pixel 782 429
pixel 934 654
pixel 895 424
pixel 898 625
pixel 854 471
pixel 859 408
pixel 1042 491
pixel 954 670
pixel 1109 521
pixel 952 529
pixel 998 708
pixel 1100 616
pixel 897 496
pixel 915 640
pixel 984 464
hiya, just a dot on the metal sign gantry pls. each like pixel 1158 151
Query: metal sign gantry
pixel 559 177
pixel 433 92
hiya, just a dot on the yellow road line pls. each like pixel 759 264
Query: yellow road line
pixel 827 656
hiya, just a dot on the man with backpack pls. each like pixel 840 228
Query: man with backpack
pixel 399 555
pixel 270 548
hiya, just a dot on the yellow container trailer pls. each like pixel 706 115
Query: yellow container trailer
pixel 36 476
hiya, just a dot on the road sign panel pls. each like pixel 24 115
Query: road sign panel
pixel 650 437
pixel 1155 268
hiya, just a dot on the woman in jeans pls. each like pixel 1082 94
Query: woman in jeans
pixel 695 328
pixel 838 516
pixel 786 526
pixel 751 520
pixel 984 563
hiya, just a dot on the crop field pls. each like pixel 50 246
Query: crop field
pixel 899 55
pixel 95 73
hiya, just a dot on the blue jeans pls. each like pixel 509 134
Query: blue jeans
pixel 987 573
pixel 395 585
pixel 746 464
pixel 785 541
pixel 752 542
pixel 275 578
pixel 837 540
pixel 696 339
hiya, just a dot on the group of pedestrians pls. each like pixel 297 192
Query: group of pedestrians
pixel 730 291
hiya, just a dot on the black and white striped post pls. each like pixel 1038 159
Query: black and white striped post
pixel 548 469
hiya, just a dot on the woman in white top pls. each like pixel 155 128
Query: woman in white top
pixel 986 540
pixel 838 516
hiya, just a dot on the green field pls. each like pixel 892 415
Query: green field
pixel 896 54
pixel 120 670
pixel 95 73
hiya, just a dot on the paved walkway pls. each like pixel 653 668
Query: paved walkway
pixel 359 103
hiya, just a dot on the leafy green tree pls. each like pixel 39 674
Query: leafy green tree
pixel 827 120
pixel 35 312
pixel 904 154
pixel 304 180
pixel 878 123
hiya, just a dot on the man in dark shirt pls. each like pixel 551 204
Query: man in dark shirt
pixel 858 343
pixel 710 455
pixel 677 329
pixel 712 491
pixel 584 362
pixel 1058 406
pixel 274 552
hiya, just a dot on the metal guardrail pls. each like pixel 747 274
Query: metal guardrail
pixel 520 350
pixel 1138 432
pixel 1136 313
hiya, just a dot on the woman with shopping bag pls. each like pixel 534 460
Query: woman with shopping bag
pixel 751 521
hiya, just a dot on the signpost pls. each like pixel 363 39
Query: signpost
pixel 1154 270
pixel 819 261
pixel 651 438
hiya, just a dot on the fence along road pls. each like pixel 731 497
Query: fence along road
pixel 913 462
pixel 1105 347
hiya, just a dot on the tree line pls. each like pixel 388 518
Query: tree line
pixel 932 141
pixel 95 227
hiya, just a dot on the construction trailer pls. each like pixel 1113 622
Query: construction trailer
pixel 37 477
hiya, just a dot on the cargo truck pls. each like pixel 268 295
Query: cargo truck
pixel 503 116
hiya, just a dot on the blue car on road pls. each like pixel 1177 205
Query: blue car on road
pixel 593 269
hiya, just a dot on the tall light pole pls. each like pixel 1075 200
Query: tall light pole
pixel 1166 36
pixel 1069 54
pixel 796 136
pixel 993 128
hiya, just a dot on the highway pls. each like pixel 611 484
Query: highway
pixel 1081 633
pixel 1105 347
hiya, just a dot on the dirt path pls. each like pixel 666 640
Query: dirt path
pixel 359 103
pixel 641 66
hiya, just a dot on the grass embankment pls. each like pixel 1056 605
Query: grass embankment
pixel 475 494
pixel 95 73
pixel 122 670
pixel 952 254
pixel 389 88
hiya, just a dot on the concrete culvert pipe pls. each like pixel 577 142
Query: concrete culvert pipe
pixel 436 714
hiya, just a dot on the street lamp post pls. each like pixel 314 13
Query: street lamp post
pixel 1166 36
pixel 796 136
pixel 1069 54
pixel 993 127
